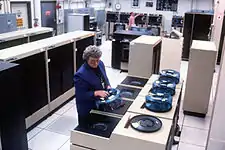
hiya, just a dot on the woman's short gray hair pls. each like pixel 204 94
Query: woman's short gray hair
pixel 92 51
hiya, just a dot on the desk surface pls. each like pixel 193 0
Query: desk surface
pixel 25 50
pixel 6 65
pixel 150 40
pixel 203 45
pixel 24 33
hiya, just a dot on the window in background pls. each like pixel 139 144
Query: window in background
pixel 135 3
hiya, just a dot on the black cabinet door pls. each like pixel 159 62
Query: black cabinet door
pixel 67 68
pixel 116 54
pixel 196 27
pixel 55 76
pixel 81 45
pixel 61 70
pixel 12 119
pixel 188 22
pixel 34 79
pixel 86 23
pixel 202 26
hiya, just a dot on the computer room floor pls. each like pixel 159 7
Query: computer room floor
pixel 54 132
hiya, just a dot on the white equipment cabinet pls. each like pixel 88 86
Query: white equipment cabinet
pixel 144 56
pixel 77 22
pixel 127 138
pixel 171 54
pixel 199 78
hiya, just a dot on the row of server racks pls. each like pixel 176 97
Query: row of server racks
pixel 151 20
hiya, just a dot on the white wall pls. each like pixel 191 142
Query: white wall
pixel 183 6
pixel 216 139
pixel 74 5
pixel 4 7
pixel 219 11
pixel 97 4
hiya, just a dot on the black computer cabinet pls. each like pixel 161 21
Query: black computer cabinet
pixel 196 27
pixel 116 54
pixel 61 70
pixel 35 83
pixel 12 118
pixel 81 46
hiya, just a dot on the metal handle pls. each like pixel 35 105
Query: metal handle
pixel 51 47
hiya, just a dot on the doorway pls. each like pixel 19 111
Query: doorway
pixel 48 14
pixel 23 14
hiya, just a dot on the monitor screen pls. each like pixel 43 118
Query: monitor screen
pixel 124 18
pixel 155 20
pixel 112 17
pixel 141 19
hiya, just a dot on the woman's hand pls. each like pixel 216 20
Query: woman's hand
pixel 101 93
pixel 108 87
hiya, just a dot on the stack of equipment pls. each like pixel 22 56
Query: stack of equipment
pixel 170 74
pixel 162 91
pixel 159 102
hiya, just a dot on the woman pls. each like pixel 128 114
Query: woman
pixel 91 82
pixel 132 20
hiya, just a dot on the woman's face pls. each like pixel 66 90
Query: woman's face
pixel 93 62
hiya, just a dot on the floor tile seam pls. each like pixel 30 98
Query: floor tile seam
pixel 64 111
pixel 51 122
pixel 63 144
pixel 190 144
pixel 36 133
pixel 56 132
pixel 196 127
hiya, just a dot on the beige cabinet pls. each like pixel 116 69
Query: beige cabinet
pixel 199 78
pixel 171 54
pixel 144 56
pixel 125 137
